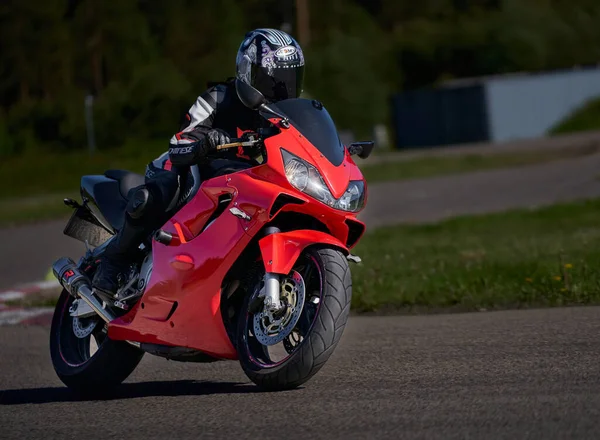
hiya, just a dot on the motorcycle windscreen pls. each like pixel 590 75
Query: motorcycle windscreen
pixel 312 120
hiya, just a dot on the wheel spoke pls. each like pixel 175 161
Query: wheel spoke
pixel 307 273
pixel 256 348
pixel 307 318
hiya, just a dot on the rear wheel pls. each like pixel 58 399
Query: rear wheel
pixel 283 351
pixel 83 356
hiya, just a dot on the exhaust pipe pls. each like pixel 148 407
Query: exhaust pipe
pixel 78 285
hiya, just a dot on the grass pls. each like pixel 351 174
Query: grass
pixel 32 209
pixel 32 186
pixel 439 166
pixel 585 118
pixel 35 174
pixel 546 257
pixel 47 298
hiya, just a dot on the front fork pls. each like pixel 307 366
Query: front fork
pixel 272 287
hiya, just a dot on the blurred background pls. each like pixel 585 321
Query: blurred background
pixel 87 85
pixel 141 63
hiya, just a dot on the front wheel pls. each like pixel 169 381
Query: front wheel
pixel 283 351
pixel 83 356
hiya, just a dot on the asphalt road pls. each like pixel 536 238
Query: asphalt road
pixel 26 253
pixel 517 374
pixel 434 199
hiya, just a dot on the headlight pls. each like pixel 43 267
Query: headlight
pixel 354 197
pixel 307 179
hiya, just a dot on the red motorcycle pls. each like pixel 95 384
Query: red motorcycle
pixel 254 266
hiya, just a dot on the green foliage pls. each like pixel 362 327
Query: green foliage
pixel 7 145
pixel 146 61
pixel 438 40
pixel 584 118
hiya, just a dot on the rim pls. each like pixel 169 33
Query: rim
pixel 76 351
pixel 267 356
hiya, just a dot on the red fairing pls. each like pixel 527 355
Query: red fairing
pixel 181 304
pixel 280 251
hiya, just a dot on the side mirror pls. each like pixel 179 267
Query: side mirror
pixel 251 97
pixel 362 149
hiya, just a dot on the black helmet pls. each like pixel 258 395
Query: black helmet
pixel 271 62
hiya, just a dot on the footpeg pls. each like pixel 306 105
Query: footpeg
pixel 121 305
pixel 353 258
pixel 72 203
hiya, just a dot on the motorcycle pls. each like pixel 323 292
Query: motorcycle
pixel 254 265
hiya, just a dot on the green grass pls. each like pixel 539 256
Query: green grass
pixel 547 257
pixel 439 166
pixel 32 186
pixel 584 118
pixel 35 174
pixel 48 298
pixel 32 209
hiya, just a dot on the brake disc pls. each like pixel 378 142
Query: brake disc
pixel 271 328
pixel 84 327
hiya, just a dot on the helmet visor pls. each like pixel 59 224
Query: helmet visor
pixel 281 83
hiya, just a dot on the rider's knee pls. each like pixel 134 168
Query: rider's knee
pixel 163 188
pixel 140 203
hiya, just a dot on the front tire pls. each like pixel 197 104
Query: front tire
pixel 317 333
pixel 76 366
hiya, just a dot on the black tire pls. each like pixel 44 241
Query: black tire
pixel 110 365
pixel 322 337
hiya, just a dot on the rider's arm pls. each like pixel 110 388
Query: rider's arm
pixel 191 144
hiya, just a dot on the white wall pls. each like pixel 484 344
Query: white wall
pixel 528 106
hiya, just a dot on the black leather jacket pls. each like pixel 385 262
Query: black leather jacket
pixel 218 107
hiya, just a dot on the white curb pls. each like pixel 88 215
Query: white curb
pixel 18 315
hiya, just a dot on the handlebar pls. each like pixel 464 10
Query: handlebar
pixel 237 144
pixel 250 139
pixel 247 140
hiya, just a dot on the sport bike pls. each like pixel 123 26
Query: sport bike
pixel 253 265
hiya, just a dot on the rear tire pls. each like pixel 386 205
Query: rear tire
pixel 322 337
pixel 110 365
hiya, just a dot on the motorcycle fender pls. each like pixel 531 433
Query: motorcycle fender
pixel 281 250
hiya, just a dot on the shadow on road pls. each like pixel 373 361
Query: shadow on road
pixel 125 391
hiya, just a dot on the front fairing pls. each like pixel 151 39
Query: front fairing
pixel 312 136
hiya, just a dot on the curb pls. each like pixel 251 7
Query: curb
pixel 10 315
pixel 34 316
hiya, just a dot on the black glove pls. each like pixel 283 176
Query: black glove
pixel 216 137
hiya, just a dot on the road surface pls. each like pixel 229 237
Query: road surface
pixel 507 375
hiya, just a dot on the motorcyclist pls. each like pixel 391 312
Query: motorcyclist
pixel 269 61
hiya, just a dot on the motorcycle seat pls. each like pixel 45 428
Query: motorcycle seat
pixel 127 180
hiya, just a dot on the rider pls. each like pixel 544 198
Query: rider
pixel 269 61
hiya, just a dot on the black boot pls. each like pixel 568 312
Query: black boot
pixel 106 278
pixel 118 255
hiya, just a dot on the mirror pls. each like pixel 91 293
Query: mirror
pixel 284 119
pixel 249 96
pixel 362 149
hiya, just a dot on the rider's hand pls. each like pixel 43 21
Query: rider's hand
pixel 216 137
